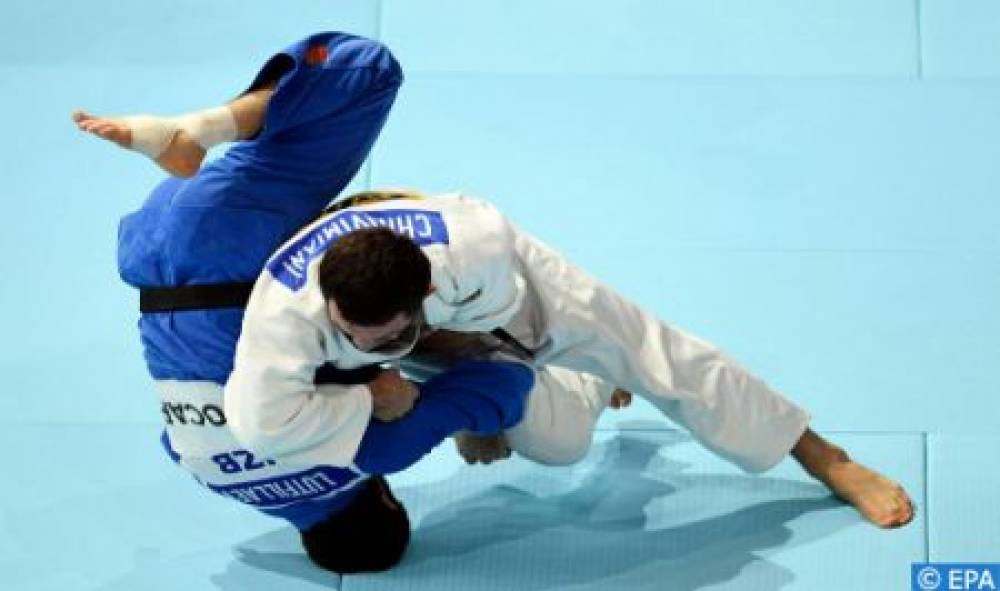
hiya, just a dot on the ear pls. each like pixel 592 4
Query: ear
pixel 431 289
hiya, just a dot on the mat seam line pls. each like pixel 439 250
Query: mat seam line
pixel 837 431
pixel 378 19
pixel 927 499
pixel 917 4
pixel 369 169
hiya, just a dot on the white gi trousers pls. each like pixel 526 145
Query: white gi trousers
pixel 586 340
pixel 573 322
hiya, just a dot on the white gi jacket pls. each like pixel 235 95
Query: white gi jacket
pixel 271 403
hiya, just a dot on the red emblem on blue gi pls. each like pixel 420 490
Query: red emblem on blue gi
pixel 316 55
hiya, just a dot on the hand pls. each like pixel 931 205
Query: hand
pixel 481 448
pixel 392 395
pixel 620 399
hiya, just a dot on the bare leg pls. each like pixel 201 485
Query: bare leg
pixel 878 499
pixel 183 154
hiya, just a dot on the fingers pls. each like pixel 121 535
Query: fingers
pixel 412 391
pixel 500 452
pixel 620 399
pixel 392 395
pixel 482 449
pixel 389 375
pixel 387 414
pixel 393 407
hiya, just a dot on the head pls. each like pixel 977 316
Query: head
pixel 374 282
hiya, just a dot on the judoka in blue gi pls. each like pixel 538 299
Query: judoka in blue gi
pixel 303 129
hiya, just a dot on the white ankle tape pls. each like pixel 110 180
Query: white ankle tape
pixel 151 135
pixel 210 127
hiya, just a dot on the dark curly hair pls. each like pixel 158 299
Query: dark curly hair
pixel 374 274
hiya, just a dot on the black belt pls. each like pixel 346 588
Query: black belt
pixel 509 339
pixel 207 296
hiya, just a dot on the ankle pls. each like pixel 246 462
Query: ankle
pixel 209 127
pixel 818 456
pixel 249 110
pixel 828 461
pixel 183 157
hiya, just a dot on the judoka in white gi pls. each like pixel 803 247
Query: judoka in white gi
pixel 485 274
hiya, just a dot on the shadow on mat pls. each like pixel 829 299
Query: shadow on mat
pixel 604 534
pixel 280 552
pixel 637 521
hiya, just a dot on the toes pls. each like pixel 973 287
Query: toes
pixel 93 126
pixel 887 514
pixel 102 129
pixel 79 116
pixel 906 510
pixel 903 515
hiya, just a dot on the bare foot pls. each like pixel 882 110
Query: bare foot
pixel 182 156
pixel 481 448
pixel 878 499
pixel 620 399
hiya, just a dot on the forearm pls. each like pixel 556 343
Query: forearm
pixel 484 397
pixel 320 426
pixel 389 447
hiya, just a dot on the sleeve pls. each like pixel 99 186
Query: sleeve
pixel 491 285
pixel 478 396
pixel 271 402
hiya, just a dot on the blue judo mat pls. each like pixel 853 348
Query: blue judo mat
pixel 809 185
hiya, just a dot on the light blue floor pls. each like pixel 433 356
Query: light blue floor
pixel 810 185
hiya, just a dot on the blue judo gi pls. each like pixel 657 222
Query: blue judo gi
pixel 333 94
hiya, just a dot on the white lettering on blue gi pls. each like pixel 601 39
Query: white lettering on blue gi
pixel 289 488
pixel 289 265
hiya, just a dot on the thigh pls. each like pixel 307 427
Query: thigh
pixel 559 417
pixel 320 125
pixel 726 407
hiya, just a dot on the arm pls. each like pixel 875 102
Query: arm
pixel 478 396
pixel 271 401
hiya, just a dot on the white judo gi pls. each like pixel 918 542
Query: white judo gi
pixel 585 339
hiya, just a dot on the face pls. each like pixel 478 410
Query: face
pixel 394 337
